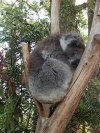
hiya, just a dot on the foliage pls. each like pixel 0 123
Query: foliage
pixel 68 16
pixel 6 117
pixel 71 17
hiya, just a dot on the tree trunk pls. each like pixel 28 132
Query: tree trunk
pixel 55 7
pixel 90 14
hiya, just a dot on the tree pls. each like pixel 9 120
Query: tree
pixel 15 100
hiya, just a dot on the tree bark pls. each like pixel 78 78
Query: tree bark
pixel 26 59
pixel 87 66
pixel 55 7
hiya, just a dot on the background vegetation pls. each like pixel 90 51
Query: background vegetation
pixel 24 20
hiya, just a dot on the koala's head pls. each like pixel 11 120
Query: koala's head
pixel 73 46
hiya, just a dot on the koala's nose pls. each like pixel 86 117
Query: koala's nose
pixel 75 63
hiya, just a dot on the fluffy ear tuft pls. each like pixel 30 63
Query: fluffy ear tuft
pixel 65 42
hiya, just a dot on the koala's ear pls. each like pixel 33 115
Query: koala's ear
pixel 64 42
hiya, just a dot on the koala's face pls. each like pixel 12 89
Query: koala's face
pixel 73 47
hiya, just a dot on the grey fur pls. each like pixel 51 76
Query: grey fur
pixel 52 67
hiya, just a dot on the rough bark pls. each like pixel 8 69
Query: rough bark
pixel 87 66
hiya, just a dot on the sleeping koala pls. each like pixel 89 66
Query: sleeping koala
pixel 52 65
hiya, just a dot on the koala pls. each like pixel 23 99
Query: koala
pixel 52 65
